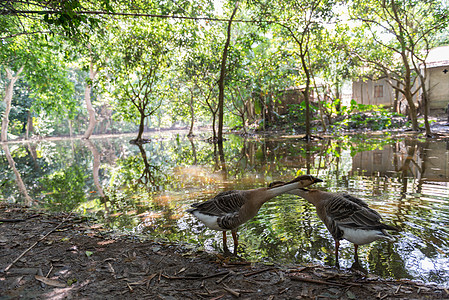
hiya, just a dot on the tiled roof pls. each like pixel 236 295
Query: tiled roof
pixel 438 57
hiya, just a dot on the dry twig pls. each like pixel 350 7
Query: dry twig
pixel 228 289
pixel 257 272
pixel 311 280
pixel 32 246
pixel 197 277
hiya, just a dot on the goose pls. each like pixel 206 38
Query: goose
pixel 346 217
pixel 230 209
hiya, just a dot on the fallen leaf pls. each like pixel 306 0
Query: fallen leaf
pixel 96 226
pixel 49 281
pixel 180 271
pixel 89 253
pixel 107 242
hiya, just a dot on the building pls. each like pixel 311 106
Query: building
pixel 373 92
pixel 437 79
pixel 380 91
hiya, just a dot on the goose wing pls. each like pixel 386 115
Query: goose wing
pixel 348 211
pixel 361 203
pixel 224 203
pixel 221 212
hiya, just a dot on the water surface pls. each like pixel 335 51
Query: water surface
pixel 145 190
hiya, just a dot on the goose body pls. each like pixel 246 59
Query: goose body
pixel 230 209
pixel 347 217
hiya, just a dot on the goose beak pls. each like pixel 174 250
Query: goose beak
pixel 299 178
pixel 316 180
pixel 276 183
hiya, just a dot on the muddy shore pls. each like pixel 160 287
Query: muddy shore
pixel 65 256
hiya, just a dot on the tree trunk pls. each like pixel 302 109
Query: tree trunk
pixel 192 115
pixel 425 99
pixel 141 126
pixel 214 117
pixel 412 111
pixel 222 77
pixel 303 54
pixel 412 108
pixel 337 96
pixel 8 99
pixel 90 108
pixel 270 109
pixel 70 127
pixel 29 126
pixel 192 123
pixel 307 100
pixel 396 97
pixel 408 92
pixel 243 123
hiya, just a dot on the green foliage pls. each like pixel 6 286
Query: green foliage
pixel 67 187
pixel 296 112
pixel 168 68
pixel 141 56
pixel 363 116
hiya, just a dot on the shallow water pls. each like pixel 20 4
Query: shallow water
pixel 145 190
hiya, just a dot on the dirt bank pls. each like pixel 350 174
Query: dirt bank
pixel 63 256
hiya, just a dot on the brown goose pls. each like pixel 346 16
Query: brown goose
pixel 346 217
pixel 228 210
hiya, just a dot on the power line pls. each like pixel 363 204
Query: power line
pixel 55 12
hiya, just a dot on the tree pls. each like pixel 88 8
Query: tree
pixel 139 63
pixel 44 74
pixel 221 80
pixel 12 78
pixel 90 48
pixel 333 63
pixel 90 108
pixel 240 99
pixel 272 71
pixel 51 15
pixel 401 32
pixel 196 72
pixel 300 20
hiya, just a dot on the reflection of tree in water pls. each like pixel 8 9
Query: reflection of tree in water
pixel 411 159
pixel 195 159
pixel 288 230
pixel 95 171
pixel 221 158
pixel 31 147
pixel 18 177
pixel 385 261
pixel 148 170
pixel 64 188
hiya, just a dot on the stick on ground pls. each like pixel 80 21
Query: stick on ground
pixel 32 246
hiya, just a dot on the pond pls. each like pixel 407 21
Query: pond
pixel 144 191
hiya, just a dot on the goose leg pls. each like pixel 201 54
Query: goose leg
pixel 337 245
pixel 356 256
pixel 225 244
pixel 236 242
